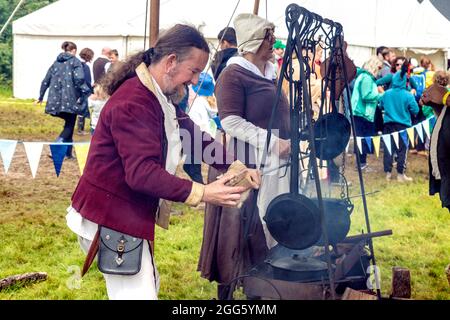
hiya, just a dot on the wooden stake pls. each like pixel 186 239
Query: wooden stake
pixel 154 21
pixel 256 7
pixel 22 279
pixel 401 283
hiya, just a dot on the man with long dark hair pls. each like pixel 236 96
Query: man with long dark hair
pixel 135 152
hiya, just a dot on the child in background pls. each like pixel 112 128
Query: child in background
pixel 203 108
pixel 96 102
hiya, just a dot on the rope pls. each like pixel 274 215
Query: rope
pixel 145 25
pixel 11 16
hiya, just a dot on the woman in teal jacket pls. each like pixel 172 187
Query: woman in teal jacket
pixel 365 99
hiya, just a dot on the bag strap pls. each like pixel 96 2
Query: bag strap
pixel 93 249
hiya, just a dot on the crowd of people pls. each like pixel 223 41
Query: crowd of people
pixel 73 88
pixel 385 99
pixel 144 107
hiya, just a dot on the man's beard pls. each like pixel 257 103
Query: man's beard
pixel 174 94
pixel 179 94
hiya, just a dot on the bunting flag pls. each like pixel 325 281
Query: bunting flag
pixel 395 137
pixel 426 127
pixel 359 143
pixel 410 132
pixel 369 143
pixel 419 130
pixel 376 144
pixel 387 142
pixel 58 150
pixel 404 137
pixel 33 151
pixel 58 153
pixel 432 122
pixel 7 149
pixel 82 151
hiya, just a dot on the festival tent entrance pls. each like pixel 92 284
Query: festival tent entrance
pixel 118 24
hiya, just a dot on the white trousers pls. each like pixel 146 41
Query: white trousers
pixel 142 286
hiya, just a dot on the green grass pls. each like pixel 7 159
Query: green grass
pixel 34 236
pixel 5 91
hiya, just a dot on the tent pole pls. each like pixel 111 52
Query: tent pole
pixel 256 7
pixel 154 21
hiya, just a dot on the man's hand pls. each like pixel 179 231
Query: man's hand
pixel 220 194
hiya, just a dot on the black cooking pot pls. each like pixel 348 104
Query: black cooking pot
pixel 332 130
pixel 337 219
pixel 294 221
pixel 331 135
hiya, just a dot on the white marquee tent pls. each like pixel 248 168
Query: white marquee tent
pixel 410 27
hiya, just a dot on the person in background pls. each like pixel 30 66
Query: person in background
pixel 365 98
pixel 278 51
pixel 379 52
pixel 399 106
pixel 67 89
pixel 113 60
pixel 245 92
pixel 96 102
pixel 386 81
pixel 228 48
pixel 203 109
pixel 86 56
pixel 438 97
pixel 389 57
pixel 99 65
pixel 388 60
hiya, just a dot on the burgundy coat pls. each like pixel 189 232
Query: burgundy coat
pixel 124 176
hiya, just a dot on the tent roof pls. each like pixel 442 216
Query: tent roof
pixel 400 23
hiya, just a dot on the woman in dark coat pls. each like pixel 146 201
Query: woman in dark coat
pixel 67 89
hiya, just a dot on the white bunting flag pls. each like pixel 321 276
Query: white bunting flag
pixel 359 143
pixel 419 131
pixel 33 150
pixel 395 136
pixel 387 142
pixel 426 127
pixel 7 148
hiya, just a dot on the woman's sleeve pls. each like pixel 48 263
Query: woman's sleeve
pixel 45 83
pixel 384 80
pixel 230 95
pixel 369 91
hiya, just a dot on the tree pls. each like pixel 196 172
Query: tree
pixel 6 41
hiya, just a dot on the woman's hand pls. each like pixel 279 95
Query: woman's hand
pixel 283 148
pixel 37 102
pixel 255 178
pixel 433 96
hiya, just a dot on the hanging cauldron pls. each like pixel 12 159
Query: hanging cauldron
pixel 293 220
pixel 332 130
pixel 337 219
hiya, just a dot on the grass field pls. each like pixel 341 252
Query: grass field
pixel 34 236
